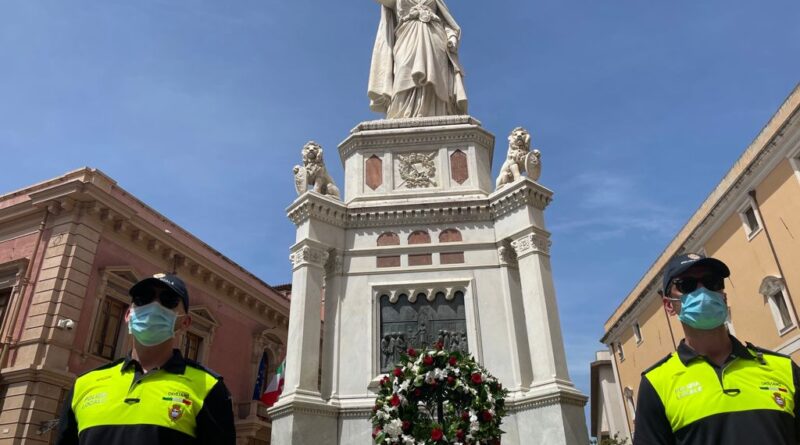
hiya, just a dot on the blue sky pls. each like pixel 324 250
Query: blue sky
pixel 200 108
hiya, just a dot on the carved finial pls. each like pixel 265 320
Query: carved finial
pixel 313 173
pixel 520 159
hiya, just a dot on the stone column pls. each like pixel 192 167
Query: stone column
pixel 302 357
pixel 538 297
pixel 300 415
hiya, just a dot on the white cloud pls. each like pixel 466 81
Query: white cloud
pixel 612 206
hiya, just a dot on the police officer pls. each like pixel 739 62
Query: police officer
pixel 714 389
pixel 154 396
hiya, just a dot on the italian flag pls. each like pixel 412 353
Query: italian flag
pixel 275 386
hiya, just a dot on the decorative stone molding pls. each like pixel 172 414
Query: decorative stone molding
pixel 368 136
pixel 300 405
pixel 438 213
pixel 555 399
pixel 308 256
pixel 267 341
pixel 771 285
pixel 415 122
pixel 531 243
pixel 507 254
pixel 335 263
pixel 319 208
pixel 417 170
pixel 513 197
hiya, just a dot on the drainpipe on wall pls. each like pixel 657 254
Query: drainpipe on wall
pixel 752 194
pixel 23 287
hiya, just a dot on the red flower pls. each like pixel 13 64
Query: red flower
pixel 486 416
pixel 395 400
pixel 476 378
pixel 417 392
pixel 412 352
pixel 451 379
pixel 439 345
pixel 406 425
pixel 376 431
pixel 375 409
pixel 465 416
pixel 427 360
pixel 453 360
pixel 384 380
pixel 460 435
pixel 437 434
pixel 398 372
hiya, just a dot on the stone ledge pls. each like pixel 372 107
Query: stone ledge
pixel 415 122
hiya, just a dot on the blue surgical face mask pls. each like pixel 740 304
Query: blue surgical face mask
pixel 152 324
pixel 703 309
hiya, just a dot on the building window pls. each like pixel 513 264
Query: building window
pixel 773 289
pixel 751 220
pixel 191 346
pixel 107 338
pixel 629 402
pixel 196 341
pixel 637 332
pixel 5 297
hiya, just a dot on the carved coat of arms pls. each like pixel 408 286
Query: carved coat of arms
pixel 418 170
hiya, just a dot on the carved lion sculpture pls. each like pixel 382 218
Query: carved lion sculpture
pixel 313 173
pixel 520 159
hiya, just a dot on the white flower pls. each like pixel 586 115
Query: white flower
pixel 430 377
pixel 403 386
pixel 408 440
pixel 474 426
pixel 394 428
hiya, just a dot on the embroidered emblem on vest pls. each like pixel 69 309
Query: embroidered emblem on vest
pixel 175 412
pixel 688 390
pixel 779 400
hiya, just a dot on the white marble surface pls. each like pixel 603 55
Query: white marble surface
pixel 511 306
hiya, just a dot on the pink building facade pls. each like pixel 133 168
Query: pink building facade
pixel 70 248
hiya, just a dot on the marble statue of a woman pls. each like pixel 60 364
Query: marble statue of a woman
pixel 415 70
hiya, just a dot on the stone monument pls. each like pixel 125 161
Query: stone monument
pixel 425 247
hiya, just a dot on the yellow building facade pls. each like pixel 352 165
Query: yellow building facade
pixel 751 221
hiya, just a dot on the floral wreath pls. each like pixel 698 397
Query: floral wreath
pixel 437 397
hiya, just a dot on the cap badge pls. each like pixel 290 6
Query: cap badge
pixel 779 400
pixel 159 275
pixel 694 256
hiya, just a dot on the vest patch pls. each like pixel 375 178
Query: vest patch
pixel 94 399
pixel 688 390
pixel 779 400
pixel 175 412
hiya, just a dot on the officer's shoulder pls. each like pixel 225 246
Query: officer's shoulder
pixel 658 363
pixel 108 365
pixel 765 351
pixel 196 365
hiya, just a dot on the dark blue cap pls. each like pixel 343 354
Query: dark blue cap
pixel 681 263
pixel 170 280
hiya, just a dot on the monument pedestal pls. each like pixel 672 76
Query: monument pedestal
pixel 423 250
